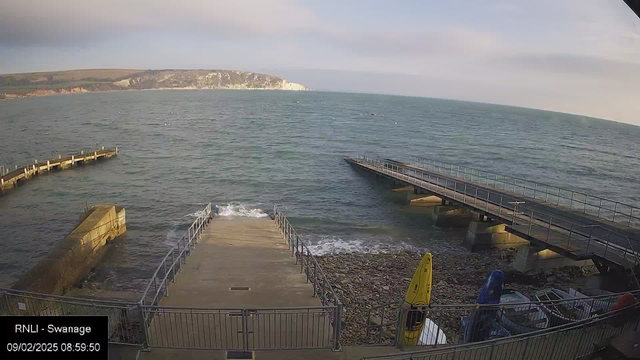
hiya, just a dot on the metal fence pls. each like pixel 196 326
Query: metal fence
pixel 149 325
pixel 555 230
pixel 239 328
pixel 172 262
pixel 464 323
pixel 242 328
pixel 125 318
pixel 611 210
pixel 312 270
pixel 565 342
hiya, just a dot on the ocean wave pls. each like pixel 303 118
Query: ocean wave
pixel 328 245
pixel 178 227
pixel 195 214
pixel 239 209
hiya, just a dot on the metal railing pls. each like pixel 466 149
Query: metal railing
pixel 312 270
pixel 242 328
pixel 463 323
pixel 148 325
pixel 125 318
pixel 555 230
pixel 565 342
pixel 599 207
pixel 172 262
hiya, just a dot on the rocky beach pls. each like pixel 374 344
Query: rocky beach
pixel 364 281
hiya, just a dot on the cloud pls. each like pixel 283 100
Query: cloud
pixel 575 56
pixel 68 22
pixel 582 65
pixel 436 43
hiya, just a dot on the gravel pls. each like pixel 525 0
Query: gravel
pixel 364 281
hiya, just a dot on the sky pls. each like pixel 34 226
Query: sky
pixel 575 56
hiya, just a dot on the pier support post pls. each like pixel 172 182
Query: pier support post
pixel 402 188
pixel 490 234
pixel 424 200
pixel 451 215
pixel 531 257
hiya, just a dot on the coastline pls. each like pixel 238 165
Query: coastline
pixel 365 280
pixel 85 91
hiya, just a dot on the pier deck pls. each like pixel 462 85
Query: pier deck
pixel 11 179
pixel 578 236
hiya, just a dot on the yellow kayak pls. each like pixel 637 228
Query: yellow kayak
pixel 419 293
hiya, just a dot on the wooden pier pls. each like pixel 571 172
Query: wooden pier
pixel 13 178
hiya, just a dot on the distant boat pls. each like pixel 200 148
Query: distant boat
pixel 523 317
pixel 562 312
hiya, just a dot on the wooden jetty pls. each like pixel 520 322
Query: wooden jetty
pixel 10 179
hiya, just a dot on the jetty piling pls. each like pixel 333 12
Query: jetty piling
pixel 10 179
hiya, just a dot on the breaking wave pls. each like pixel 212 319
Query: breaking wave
pixel 239 209
pixel 326 245
pixel 195 214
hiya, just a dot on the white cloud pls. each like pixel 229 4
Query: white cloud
pixel 31 22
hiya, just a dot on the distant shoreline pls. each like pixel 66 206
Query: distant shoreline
pixel 16 86
pixel 135 90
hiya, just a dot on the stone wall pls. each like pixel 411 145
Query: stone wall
pixel 74 256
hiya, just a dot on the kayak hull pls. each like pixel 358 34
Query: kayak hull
pixel 418 295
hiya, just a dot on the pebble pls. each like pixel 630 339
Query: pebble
pixel 378 279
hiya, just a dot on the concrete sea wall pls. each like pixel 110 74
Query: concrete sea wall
pixel 74 256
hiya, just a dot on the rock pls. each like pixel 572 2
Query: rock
pixel 535 272
pixel 368 283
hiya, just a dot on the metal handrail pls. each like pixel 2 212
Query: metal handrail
pixel 394 315
pixel 183 249
pixel 239 308
pixel 67 299
pixel 596 320
pixel 498 204
pixel 538 190
pixel 312 269
pixel 498 306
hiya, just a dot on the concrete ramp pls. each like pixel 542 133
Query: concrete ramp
pixel 240 262
pixel 241 289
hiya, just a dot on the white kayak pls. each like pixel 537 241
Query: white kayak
pixel 431 334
